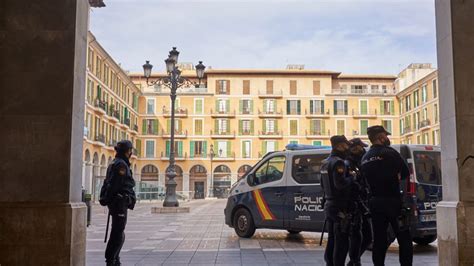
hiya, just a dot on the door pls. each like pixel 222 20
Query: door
pixel 199 190
pixel 268 193
pixel 304 197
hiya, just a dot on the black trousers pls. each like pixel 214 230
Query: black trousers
pixel 367 235
pixel 380 222
pixel 117 236
pixel 342 241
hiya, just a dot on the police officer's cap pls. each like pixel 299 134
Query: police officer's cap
pixel 123 146
pixel 339 139
pixel 357 142
pixel 374 130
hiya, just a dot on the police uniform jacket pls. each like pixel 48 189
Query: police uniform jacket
pixel 121 184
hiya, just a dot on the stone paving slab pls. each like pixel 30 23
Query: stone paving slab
pixel 201 238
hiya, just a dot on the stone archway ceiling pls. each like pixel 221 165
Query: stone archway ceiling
pixel 97 3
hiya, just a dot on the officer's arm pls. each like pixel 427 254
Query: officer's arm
pixel 341 178
pixel 119 172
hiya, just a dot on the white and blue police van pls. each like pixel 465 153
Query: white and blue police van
pixel 283 191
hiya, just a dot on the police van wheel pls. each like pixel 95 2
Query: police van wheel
pixel 423 241
pixel 293 232
pixel 243 223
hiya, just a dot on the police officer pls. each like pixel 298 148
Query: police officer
pixel 383 167
pixel 121 197
pixel 338 185
pixel 353 162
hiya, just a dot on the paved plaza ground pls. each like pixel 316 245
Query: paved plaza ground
pixel 202 238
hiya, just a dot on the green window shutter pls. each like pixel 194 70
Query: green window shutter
pixel 168 125
pixel 293 127
pixel 264 147
pixel 317 143
pixel 335 107
pixel 229 146
pixel 275 106
pixel 251 106
pixel 251 127
pixel 144 126
pixel 276 145
pixel 240 126
pixel 322 106
pixel 264 125
pixel 323 127
pixel 167 148
pixel 264 105
pixel 389 126
pixel 204 149
pixel 381 107
pixel 180 148
pixel 179 125
pixel 287 107
pixel 139 146
pixel 311 104
pixel 298 107
pixel 155 126
pixel 217 106
pixel 227 106
pixel 363 107
pixel 199 106
pixel 216 125
pixel 191 149
pixel 242 151
pixel 392 107
pixel 99 91
pixel 241 104
pixel 363 127
pixel 345 107
pixel 311 126
pixel 276 126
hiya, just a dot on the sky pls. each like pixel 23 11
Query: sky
pixel 350 36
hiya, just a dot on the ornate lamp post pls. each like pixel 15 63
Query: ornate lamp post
pixel 174 80
pixel 211 155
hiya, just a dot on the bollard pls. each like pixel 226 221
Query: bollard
pixel 88 198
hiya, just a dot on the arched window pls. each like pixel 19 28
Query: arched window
pixel 149 173
pixel 243 170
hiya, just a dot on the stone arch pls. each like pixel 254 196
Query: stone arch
pixel 243 169
pixel 198 181
pixel 103 166
pixel 149 172
pixel 87 156
pixel 222 176
pixel 109 160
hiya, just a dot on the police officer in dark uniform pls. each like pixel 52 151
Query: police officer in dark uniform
pixel 120 197
pixel 383 167
pixel 353 162
pixel 339 187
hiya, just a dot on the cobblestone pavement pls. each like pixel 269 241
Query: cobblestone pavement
pixel 202 238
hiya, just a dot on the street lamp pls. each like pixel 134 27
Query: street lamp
pixel 211 154
pixel 173 80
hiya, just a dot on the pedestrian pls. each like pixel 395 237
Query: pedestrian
pixel 354 160
pixel 118 195
pixel 339 188
pixel 383 167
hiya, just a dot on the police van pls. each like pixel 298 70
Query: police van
pixel 283 191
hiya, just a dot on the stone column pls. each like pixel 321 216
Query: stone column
pixel 88 178
pixel 42 80
pixel 186 184
pixel 455 214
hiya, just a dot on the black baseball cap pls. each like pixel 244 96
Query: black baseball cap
pixel 123 146
pixel 339 139
pixel 374 130
pixel 357 141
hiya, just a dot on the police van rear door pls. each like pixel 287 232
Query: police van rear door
pixel 304 195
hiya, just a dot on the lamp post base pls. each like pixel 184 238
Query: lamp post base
pixel 170 198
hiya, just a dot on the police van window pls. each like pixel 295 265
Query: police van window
pixel 428 167
pixel 306 168
pixel 271 170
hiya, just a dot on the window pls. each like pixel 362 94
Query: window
pixel 418 139
pixel 198 126
pixel 269 106
pixel 424 96
pixel 178 148
pixel 316 107
pixel 428 167
pixel 293 142
pixel 269 125
pixel 223 149
pixel 293 87
pixel 293 107
pixel 340 107
pixel 425 138
pixel 416 102
pixel 306 168
pixel 374 88
pixel 269 86
pixel 363 107
pixel 417 120
pixel 222 86
pixel 435 89
pixel 222 126
pixel 435 110
pixel 316 87
pixel 245 106
pixel 246 144
pixel 293 127
pixel 150 127
pixel 198 148
pixel 198 106
pixel 90 59
pixel 150 106
pixel 435 137
pixel 222 106
pixel 316 127
pixel 341 127
pixel 269 146
pixel 90 89
pixel 150 149
pixel 246 127
pixel 407 103
pixel 317 143
pixel 425 114
pixel 246 87
pixel 270 171
pixel 387 124
pixel 387 107
pixel 364 124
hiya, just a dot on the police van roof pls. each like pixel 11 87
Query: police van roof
pixel 299 147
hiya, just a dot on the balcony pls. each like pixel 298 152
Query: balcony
pixel 178 112
pixel 270 114
pixel 424 124
pixel 101 106
pixel 222 134
pixel 177 156
pixel 136 152
pixel 111 143
pixel 225 113
pixel 366 114
pixel 223 157
pixel 272 94
pixel 100 140
pixel 386 112
pixel 317 134
pixel 178 134
pixel 149 131
pixel 114 115
pixel 134 129
pixel 246 133
pixel 364 91
pixel 407 131
pixel 182 90
pixel 270 134
pixel 126 122
pixel 318 113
